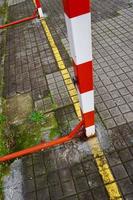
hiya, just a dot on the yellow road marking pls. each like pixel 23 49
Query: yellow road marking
pixel 104 169
pixel 64 71
pixel 102 163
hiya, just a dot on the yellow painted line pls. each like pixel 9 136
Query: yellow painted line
pixel 64 71
pixel 102 163
pixel 104 170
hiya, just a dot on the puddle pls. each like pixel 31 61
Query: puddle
pixel 74 152
pixel 103 137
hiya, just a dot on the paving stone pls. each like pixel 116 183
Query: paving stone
pixel 128 98
pixel 38 159
pixel 115 79
pixel 117 140
pixel 129 116
pixel 131 149
pixel 51 165
pixel 27 161
pixel 100 193
pixel 81 184
pixel 131 105
pixel 53 178
pixel 129 139
pixel 30 196
pixel 102 90
pixel 55 192
pixel 43 194
pixel 110 103
pixel 105 114
pixel 39 169
pixel 124 108
pixel 27 171
pixel 131 126
pixel 77 170
pixel 129 197
pixel 119 172
pixel 126 186
pixel 119 120
pixel 129 167
pixel 41 182
pixel 114 94
pixel 125 155
pixel 68 188
pixel 94 180
pixel 110 123
pixel 119 85
pixel 106 97
pixel 89 167
pixel 124 91
pixel 85 195
pixel 61 163
pixel 115 111
pixel 29 186
pixel 19 107
pixel 113 158
pixel 125 130
pixel 119 101
pixel 101 107
pixel 123 77
pixel 130 88
pixel 98 99
pixel 74 197
pixel 39 105
pixel 65 174
pixel 60 95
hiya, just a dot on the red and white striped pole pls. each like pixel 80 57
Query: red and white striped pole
pixel 78 21
pixel 39 8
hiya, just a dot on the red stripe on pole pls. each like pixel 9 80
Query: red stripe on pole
pixel 38 4
pixel 74 8
pixel 89 118
pixel 84 75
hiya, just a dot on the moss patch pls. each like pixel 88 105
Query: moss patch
pixel 3 9
pixel 33 131
pixel 51 130
pixel 3 147
pixel 4 170
pixel 3 151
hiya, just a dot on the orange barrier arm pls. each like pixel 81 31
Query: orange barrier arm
pixel 42 146
pixel 34 15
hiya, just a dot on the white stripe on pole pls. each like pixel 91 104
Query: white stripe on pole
pixel 79 35
pixel 86 101
pixel 41 15
pixel 90 130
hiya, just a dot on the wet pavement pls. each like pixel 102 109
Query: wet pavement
pixel 72 171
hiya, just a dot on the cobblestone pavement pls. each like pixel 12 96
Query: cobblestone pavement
pixel 70 171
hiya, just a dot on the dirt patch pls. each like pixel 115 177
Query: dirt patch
pixel 18 108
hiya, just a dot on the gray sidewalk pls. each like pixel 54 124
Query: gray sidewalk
pixel 70 171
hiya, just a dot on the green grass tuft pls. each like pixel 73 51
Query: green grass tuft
pixel 37 117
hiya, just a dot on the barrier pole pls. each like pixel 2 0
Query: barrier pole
pixel 39 7
pixel 78 21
